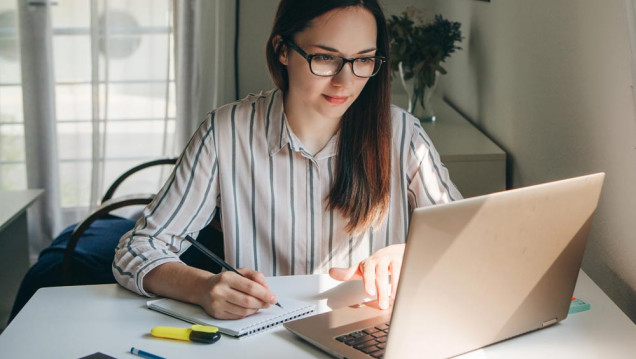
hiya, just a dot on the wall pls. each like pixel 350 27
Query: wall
pixel 256 18
pixel 550 82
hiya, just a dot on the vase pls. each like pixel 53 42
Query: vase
pixel 419 107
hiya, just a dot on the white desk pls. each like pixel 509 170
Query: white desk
pixel 14 245
pixel 71 322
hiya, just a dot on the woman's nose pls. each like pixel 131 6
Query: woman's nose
pixel 345 77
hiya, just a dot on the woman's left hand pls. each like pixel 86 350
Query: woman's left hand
pixel 375 271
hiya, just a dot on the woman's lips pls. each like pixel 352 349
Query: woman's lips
pixel 336 100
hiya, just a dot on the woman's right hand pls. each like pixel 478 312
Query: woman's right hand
pixel 229 296
pixel 226 295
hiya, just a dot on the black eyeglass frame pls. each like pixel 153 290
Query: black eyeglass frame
pixel 345 60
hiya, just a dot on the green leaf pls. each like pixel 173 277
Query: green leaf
pixel 422 47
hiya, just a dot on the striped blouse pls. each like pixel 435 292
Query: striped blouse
pixel 272 193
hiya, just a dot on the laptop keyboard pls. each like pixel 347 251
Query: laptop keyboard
pixel 371 340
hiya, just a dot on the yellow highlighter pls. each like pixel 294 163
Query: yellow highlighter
pixel 198 333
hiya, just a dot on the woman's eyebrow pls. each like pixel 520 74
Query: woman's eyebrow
pixel 327 48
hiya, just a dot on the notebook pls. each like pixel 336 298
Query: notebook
pixel 262 320
pixel 475 272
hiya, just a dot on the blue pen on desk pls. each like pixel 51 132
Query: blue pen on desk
pixel 215 258
pixel 144 354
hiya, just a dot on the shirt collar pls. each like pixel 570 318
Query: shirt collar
pixel 282 135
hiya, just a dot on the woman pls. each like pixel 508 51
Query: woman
pixel 318 175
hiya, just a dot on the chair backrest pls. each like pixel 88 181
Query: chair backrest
pixel 211 236
pixel 113 187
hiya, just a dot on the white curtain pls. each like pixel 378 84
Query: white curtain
pixel 205 32
pixel 39 121
pixel 98 91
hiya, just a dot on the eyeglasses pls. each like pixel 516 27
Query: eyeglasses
pixel 326 65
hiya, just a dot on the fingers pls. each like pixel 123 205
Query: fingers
pixel 395 277
pixel 376 270
pixel 375 274
pixel 381 283
pixel 368 268
pixel 252 287
pixel 244 300
pixel 254 275
pixel 375 278
pixel 343 274
pixel 232 296
pixel 233 311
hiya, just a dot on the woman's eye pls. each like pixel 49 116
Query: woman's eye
pixel 324 58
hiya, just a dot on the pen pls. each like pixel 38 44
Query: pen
pixel 215 258
pixel 144 354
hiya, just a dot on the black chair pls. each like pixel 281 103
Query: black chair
pixel 83 253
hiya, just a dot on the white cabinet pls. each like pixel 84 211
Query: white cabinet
pixel 476 164
pixel 14 245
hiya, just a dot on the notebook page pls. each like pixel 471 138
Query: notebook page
pixel 262 320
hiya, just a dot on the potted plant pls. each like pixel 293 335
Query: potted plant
pixel 417 52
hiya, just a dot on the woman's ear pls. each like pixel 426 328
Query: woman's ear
pixel 280 47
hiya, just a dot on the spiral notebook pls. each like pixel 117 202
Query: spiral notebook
pixel 262 320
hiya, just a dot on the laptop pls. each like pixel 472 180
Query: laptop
pixel 475 272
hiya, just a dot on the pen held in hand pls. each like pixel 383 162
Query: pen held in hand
pixel 215 258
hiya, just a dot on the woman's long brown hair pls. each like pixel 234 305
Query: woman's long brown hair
pixel 362 181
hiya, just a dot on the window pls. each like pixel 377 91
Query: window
pixel 114 93
pixel 12 167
